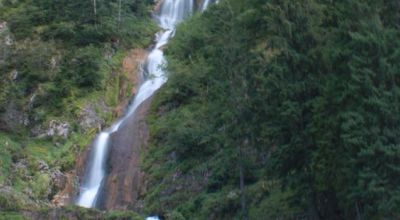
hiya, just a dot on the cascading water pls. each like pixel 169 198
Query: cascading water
pixel 205 5
pixel 172 12
pixel 96 174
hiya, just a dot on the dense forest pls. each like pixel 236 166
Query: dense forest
pixel 280 110
pixel 274 109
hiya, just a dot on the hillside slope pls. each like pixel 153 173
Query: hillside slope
pixel 279 110
pixel 66 71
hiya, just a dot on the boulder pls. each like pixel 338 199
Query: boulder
pixel 58 128
pixel 89 118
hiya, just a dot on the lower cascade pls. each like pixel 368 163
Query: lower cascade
pixel 171 13
pixel 93 182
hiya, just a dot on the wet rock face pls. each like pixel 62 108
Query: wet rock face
pixel 124 186
pixel 89 119
pixel 131 68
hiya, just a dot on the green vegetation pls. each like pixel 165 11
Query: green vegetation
pixel 27 165
pixel 63 47
pixel 10 215
pixel 125 215
pixel 274 109
pixel 280 110
pixel 73 212
pixel 59 60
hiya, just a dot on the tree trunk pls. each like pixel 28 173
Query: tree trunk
pixel 313 206
pixel 358 211
pixel 94 7
pixel 242 183
pixel 119 12
pixel 95 13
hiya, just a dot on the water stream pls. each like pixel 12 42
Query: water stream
pixel 172 12
pixel 205 5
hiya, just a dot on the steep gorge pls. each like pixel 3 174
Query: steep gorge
pixel 123 185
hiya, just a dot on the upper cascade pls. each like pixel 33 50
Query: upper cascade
pixel 174 11
pixel 205 5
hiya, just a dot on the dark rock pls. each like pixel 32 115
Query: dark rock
pixel 124 185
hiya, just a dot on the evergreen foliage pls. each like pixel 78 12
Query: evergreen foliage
pixel 280 109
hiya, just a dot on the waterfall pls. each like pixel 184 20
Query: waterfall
pixel 205 5
pixel 172 12
pixel 96 174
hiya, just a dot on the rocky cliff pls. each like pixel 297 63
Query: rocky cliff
pixel 124 184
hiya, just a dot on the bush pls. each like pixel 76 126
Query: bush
pixel 41 186
pixel 81 68
pixel 11 216
pixel 122 215
pixel 175 215
pixel 7 203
